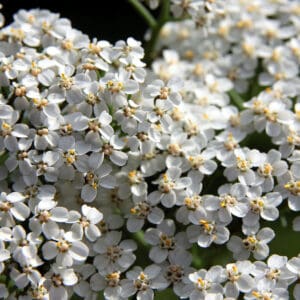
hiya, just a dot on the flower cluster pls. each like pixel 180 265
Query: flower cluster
pixel 115 180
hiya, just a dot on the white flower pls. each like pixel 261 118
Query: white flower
pixel 129 117
pixel 58 278
pixel 191 201
pixel 169 186
pixel 142 211
pixel 164 241
pixel 95 174
pixel 239 279
pixel 114 254
pixel 129 49
pixel 264 206
pixel 271 166
pixel 66 248
pixel 179 7
pixel 110 282
pixel 164 96
pixel 177 271
pixel 206 282
pixel 206 230
pixel 112 149
pixel 118 85
pixel 12 208
pixel 10 132
pixel 275 272
pixel 293 266
pixel 86 223
pixel 254 243
pixel 241 164
pixel 231 201
pixel 142 282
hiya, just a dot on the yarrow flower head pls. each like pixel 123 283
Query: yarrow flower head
pixel 127 172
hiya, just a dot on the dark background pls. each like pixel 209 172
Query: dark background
pixel 112 21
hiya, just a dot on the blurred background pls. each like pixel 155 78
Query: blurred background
pixel 114 21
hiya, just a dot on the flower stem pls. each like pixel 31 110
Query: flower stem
pixel 236 99
pixel 143 12
pixel 3 157
pixel 164 17
pixel 139 238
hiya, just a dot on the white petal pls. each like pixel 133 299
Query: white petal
pixel 119 158
pixel 88 193
pixel 92 214
pixel 15 197
pixel 134 224
pixel 266 234
pixel 156 215
pixel 69 278
pixel 168 200
pixel 59 214
pixel 50 229
pixel 92 232
pixel 49 250
pixel 158 255
pixel 20 211
pixel 46 77
pixel 270 213
pixel 79 251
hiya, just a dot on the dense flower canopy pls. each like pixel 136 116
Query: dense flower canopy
pixel 118 178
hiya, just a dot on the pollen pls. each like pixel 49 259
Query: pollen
pixel 189 54
pixel 94 48
pixel 134 177
pixel 176 114
pixel 114 87
pixel 276 56
pixel 113 279
pixel 192 203
pixel 174 149
pixel 198 70
pixel 196 161
pixel 227 200
pixel 293 187
pixel 207 226
pixel 258 106
pixel 242 164
pixel 67 45
pixel 6 127
pixel 5 206
pixel 66 82
pixel 244 24
pixel 164 93
pixel 63 246
pixel 20 91
pixel 248 49
pixel 142 276
pixel 214 87
pixel 92 99
pixel 43 131
pixel 266 170
pixel 44 216
pixel 223 31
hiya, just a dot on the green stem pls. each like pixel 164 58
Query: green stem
pixel 139 238
pixel 143 249
pixel 143 12
pixel 164 17
pixel 236 99
pixel 197 260
pixel 3 157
